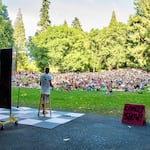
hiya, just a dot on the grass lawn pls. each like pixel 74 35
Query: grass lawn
pixel 96 102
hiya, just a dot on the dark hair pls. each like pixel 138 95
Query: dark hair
pixel 47 70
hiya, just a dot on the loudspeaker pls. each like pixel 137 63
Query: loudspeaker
pixel 5 77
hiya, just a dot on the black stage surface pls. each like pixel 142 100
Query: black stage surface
pixel 89 132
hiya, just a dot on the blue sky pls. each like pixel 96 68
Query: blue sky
pixel 91 13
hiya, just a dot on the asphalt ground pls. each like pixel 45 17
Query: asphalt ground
pixel 89 132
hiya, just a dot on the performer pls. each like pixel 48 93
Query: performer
pixel 46 83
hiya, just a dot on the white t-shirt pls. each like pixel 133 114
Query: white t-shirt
pixel 45 84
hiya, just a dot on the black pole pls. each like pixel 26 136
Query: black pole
pixel 18 97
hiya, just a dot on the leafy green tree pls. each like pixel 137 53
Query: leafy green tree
pixel 61 48
pixel 6 29
pixel 76 24
pixel 20 42
pixel 44 15
pixel 138 41
pixel 77 58
pixel 94 49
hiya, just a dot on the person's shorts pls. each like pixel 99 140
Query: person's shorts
pixel 43 97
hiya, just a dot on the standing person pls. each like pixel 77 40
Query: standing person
pixel 46 84
pixel 109 87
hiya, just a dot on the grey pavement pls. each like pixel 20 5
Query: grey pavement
pixel 89 132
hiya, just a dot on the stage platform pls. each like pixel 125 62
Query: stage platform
pixel 28 116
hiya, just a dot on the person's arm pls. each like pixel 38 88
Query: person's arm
pixel 40 80
pixel 50 82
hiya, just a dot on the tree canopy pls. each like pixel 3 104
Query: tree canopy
pixel 69 48
pixel 116 46
pixel 20 45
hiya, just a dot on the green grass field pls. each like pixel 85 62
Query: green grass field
pixel 95 102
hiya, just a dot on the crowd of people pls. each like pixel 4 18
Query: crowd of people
pixel 122 80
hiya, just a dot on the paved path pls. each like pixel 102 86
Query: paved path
pixel 89 132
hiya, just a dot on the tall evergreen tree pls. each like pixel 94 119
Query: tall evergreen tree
pixel 113 20
pixel 44 16
pixel 19 32
pixel 76 24
pixel 6 30
pixel 20 41
pixel 138 41
pixel 65 23
pixel 112 45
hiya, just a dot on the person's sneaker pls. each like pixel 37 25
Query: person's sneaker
pixel 44 112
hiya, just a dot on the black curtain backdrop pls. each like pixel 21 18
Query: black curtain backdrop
pixel 5 77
